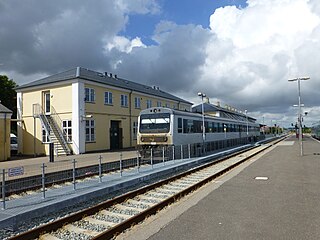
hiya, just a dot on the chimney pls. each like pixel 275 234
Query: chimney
pixel 218 104
pixel 207 100
pixel 115 76
pixel 111 75
pixel 106 74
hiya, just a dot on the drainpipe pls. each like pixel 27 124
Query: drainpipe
pixel 130 117
pixel 34 136
pixel 5 137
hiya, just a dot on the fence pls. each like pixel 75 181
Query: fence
pixel 39 177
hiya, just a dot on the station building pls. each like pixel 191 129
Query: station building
pixel 5 128
pixel 81 111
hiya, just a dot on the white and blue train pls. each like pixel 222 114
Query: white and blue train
pixel 160 126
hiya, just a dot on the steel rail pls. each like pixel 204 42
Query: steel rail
pixel 59 223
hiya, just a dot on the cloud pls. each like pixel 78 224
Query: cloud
pixel 243 59
pixel 257 48
pixel 46 36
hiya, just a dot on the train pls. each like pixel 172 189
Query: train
pixel 315 130
pixel 160 126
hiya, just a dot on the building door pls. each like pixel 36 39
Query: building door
pixel 46 103
pixel 115 135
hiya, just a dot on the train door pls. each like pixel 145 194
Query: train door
pixel 115 135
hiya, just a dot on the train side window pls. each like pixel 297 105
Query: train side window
pixel 206 126
pixel 179 125
pixel 210 127
pixel 185 125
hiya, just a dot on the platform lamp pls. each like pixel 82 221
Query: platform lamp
pixel 299 104
pixel 202 95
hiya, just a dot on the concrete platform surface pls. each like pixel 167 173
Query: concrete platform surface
pixel 282 203
pixel 18 211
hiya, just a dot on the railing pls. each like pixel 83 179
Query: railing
pixel 20 179
pixel 59 124
pixel 38 113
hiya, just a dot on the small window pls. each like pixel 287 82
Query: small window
pixel 108 98
pixel 45 135
pixel 90 131
pixel 90 95
pixel 158 104
pixel 124 100
pixel 67 129
pixel 149 103
pixel 135 130
pixel 137 102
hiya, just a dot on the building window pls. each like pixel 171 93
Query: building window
pixel 167 105
pixel 45 135
pixel 124 100
pixel 67 129
pixel 90 131
pixel 149 103
pixel 137 103
pixel 90 95
pixel 158 104
pixel 174 106
pixel 108 98
pixel 135 130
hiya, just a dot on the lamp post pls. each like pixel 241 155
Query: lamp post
pixel 245 111
pixel 202 95
pixel 299 104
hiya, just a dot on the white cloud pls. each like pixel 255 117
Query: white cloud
pixel 244 59
pixel 257 48
pixel 124 44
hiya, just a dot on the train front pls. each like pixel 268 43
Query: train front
pixel 154 128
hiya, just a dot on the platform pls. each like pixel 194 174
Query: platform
pixel 275 197
pixel 22 209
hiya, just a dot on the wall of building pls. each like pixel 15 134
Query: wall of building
pixel 5 125
pixel 72 106
pixel 31 130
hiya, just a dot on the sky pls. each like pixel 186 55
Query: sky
pixel 237 52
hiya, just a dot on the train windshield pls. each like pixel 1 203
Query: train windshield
pixel 155 123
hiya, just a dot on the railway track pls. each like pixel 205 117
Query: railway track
pixel 112 217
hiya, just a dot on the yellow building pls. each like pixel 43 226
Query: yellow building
pixel 5 126
pixel 81 110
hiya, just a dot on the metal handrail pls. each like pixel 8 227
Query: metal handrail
pixel 39 113
pixel 58 122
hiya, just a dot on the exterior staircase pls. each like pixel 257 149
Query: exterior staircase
pixel 51 125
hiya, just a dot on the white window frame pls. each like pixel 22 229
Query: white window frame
pixel 124 100
pixel 137 102
pixel 108 98
pixel 90 95
pixel 134 130
pixel 45 136
pixel 159 104
pixel 90 126
pixel 67 130
pixel 149 103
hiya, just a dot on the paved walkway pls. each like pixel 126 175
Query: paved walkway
pixel 18 211
pixel 85 158
pixel 285 206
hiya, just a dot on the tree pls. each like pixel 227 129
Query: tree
pixel 8 96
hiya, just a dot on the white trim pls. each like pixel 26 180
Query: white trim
pixel 78 126
pixel 48 86
pixel 19 123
